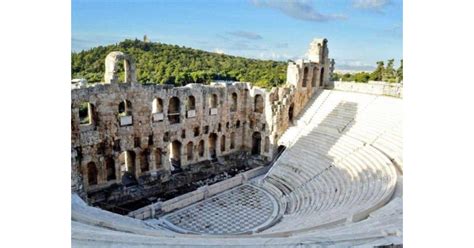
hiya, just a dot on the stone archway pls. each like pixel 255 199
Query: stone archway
pixel 321 78
pixel 92 174
pixel 305 77
pixel 256 143
pixel 110 168
pixel 234 104
pixel 290 113
pixel 127 167
pixel 175 156
pixel 258 104
pixel 111 68
pixel 212 146
pixel 174 110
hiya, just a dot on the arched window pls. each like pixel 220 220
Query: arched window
pixel 127 163
pixel 258 104
pixel 189 151
pixel 175 156
pixel 201 148
pixel 290 113
pixel 157 109
pixel 256 143
pixel 110 168
pixel 267 145
pixel 237 124
pixel 213 104
pixel 191 103
pixel 232 140
pixel 321 78
pixel 315 77
pixel 145 160
pixel 158 158
pixel 173 110
pixel 125 113
pixel 86 113
pixel 125 108
pixel 213 101
pixel 190 107
pixel 305 76
pixel 196 131
pixel 212 145
pixel 92 173
pixel 223 143
pixel 233 105
pixel 157 105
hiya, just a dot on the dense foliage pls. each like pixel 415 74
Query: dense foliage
pixel 381 73
pixel 159 63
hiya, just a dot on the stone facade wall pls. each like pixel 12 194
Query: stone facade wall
pixel 125 129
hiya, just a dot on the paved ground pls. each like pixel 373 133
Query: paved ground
pixel 242 209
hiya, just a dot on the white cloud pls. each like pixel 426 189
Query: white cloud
pixel 246 35
pixel 370 4
pixel 352 65
pixel 272 55
pixel 299 9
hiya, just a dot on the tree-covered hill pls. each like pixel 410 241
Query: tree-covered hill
pixel 159 63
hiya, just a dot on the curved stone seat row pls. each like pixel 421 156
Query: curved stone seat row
pixel 340 166
pixel 380 228
pixel 92 227
pixel 362 181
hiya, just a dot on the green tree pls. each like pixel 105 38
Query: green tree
pixel 400 71
pixel 362 77
pixel 347 77
pixel 389 73
pixel 377 74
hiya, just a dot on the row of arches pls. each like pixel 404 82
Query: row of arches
pixel 314 78
pixel 87 113
pixel 127 162
pixel 127 159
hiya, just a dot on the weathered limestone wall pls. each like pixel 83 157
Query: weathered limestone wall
pixel 105 138
pixel 134 129
pixel 372 87
pixel 304 77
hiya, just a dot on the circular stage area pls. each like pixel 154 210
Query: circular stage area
pixel 244 209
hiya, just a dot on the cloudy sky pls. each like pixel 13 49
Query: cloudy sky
pixel 360 32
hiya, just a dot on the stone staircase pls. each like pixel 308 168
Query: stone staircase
pixel 342 165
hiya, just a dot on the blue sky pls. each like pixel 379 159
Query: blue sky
pixel 360 32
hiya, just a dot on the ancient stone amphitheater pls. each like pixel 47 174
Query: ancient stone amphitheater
pixel 324 160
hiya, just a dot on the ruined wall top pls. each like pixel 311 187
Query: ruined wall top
pixel 318 50
pixel 111 68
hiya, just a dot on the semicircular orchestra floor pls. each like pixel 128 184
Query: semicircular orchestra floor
pixel 244 209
